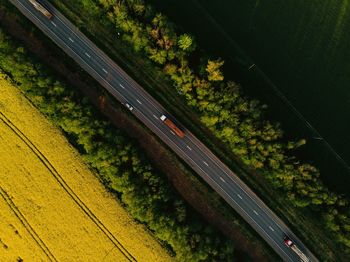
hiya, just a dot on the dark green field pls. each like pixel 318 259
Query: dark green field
pixel 303 48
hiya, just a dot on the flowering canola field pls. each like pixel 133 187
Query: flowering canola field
pixel 52 207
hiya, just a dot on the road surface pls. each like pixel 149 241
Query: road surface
pixel 149 111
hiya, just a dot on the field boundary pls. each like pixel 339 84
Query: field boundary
pixel 66 188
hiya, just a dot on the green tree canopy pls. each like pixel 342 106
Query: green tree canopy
pixel 214 71
pixel 186 43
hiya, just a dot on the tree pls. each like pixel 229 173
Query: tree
pixel 157 55
pixel 209 120
pixel 214 71
pixel 138 6
pixel 170 69
pixel 186 43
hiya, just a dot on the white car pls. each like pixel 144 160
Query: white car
pixel 130 107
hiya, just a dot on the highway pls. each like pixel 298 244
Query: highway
pixel 149 111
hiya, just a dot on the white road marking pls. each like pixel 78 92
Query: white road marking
pixel 53 24
pixel 172 132
pixel 277 244
pixel 223 180
pixel 180 150
pixel 87 55
pixel 270 227
pixel 155 116
pixel 256 213
pixel 189 148
pixel 239 196
pixel 100 56
pixel 138 101
pixel 237 184
pixel 122 86
pixel 205 163
pixel 104 70
pixel 70 39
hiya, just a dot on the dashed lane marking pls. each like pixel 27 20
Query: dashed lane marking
pixel 204 172
pixel 138 101
pixel 87 55
pixel 104 70
pixel 122 86
pixel 223 180
pixel 70 39
pixel 189 147
pixel 53 24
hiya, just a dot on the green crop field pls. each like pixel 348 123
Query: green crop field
pixel 302 47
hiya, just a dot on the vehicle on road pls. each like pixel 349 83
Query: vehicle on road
pixel 41 8
pixel 296 250
pixel 172 126
pixel 172 134
pixel 128 106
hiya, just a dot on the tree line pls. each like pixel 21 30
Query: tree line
pixel 234 118
pixel 122 167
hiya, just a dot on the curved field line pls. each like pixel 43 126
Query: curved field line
pixel 26 225
pixel 66 188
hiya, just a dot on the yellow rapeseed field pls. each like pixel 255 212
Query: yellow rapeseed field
pixel 52 207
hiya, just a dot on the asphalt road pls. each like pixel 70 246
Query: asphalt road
pixel 148 110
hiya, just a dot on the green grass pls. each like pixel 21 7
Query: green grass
pixel 197 184
pixel 306 226
pixel 302 46
pixel 161 89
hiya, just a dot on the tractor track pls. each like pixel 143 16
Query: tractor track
pixel 26 225
pixel 66 188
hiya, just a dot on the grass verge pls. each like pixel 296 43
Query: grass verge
pixel 98 29
pixel 227 220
